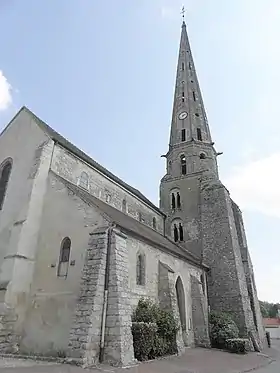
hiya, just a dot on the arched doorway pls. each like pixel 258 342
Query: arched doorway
pixel 181 306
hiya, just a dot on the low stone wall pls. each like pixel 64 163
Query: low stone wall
pixel 8 338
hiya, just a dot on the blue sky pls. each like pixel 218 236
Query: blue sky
pixel 102 73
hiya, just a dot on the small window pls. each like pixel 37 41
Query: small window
pixel 175 233
pixel 5 173
pixel 154 223
pixel 194 96
pixel 139 216
pixel 183 134
pixel 183 96
pixel 173 201
pixel 183 66
pixel 64 257
pixel 183 165
pixel 190 65
pixel 181 232
pixel 170 166
pixel 202 156
pixel 124 205
pixel 197 115
pixel 108 198
pixel 140 269
pixel 83 181
pixel 178 200
pixel 199 136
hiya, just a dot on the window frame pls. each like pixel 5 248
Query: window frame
pixel 8 162
pixel 66 241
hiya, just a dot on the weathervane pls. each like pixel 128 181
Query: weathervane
pixel 183 13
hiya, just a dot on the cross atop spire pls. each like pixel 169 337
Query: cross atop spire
pixel 183 14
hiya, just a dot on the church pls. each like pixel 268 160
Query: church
pixel 79 247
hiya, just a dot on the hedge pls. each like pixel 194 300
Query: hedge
pixel 237 345
pixel 144 335
pixel 154 331
pixel 222 328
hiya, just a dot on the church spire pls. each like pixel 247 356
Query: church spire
pixel 189 121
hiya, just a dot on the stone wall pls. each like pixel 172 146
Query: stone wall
pixel 227 282
pixel 200 312
pixel 70 167
pixel 249 273
pixel 155 259
pixel 85 334
pixel 118 337
pixel 53 299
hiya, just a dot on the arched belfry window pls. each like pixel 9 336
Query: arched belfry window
pixel 64 257
pixel 183 164
pixel 178 200
pixel 175 233
pixel 178 231
pixel 173 201
pixel 140 269
pixel 5 172
pixel 181 232
pixel 84 180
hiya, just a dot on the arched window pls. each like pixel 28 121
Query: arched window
pixel 181 232
pixel 173 201
pixel 183 164
pixel 140 269
pixel 83 181
pixel 154 223
pixel 139 216
pixel 64 257
pixel 202 156
pixel 202 283
pixel 178 200
pixel 175 233
pixel 124 205
pixel 5 172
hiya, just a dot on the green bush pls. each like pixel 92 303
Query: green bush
pixel 222 328
pixel 163 342
pixel 237 345
pixel 144 335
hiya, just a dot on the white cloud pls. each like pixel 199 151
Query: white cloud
pixel 5 92
pixel 255 185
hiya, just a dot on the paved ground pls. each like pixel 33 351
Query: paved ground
pixel 193 361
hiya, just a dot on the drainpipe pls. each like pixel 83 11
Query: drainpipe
pixel 106 288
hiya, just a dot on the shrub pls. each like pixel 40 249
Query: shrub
pixel 163 341
pixel 237 345
pixel 222 328
pixel 143 339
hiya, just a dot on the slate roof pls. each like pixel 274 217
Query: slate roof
pixel 133 226
pixel 56 137
pixel 271 322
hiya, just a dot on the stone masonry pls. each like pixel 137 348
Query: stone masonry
pixel 119 342
pixel 84 342
pixel 227 285
pixel 199 313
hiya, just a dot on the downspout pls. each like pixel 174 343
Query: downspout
pixel 106 289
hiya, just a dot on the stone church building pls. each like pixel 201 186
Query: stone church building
pixel 79 247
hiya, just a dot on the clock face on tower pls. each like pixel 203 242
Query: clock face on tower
pixel 183 115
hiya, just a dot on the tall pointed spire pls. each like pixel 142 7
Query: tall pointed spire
pixel 189 119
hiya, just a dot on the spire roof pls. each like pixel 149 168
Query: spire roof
pixel 188 107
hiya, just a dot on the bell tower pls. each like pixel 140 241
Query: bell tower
pixel 190 153
pixel 201 216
